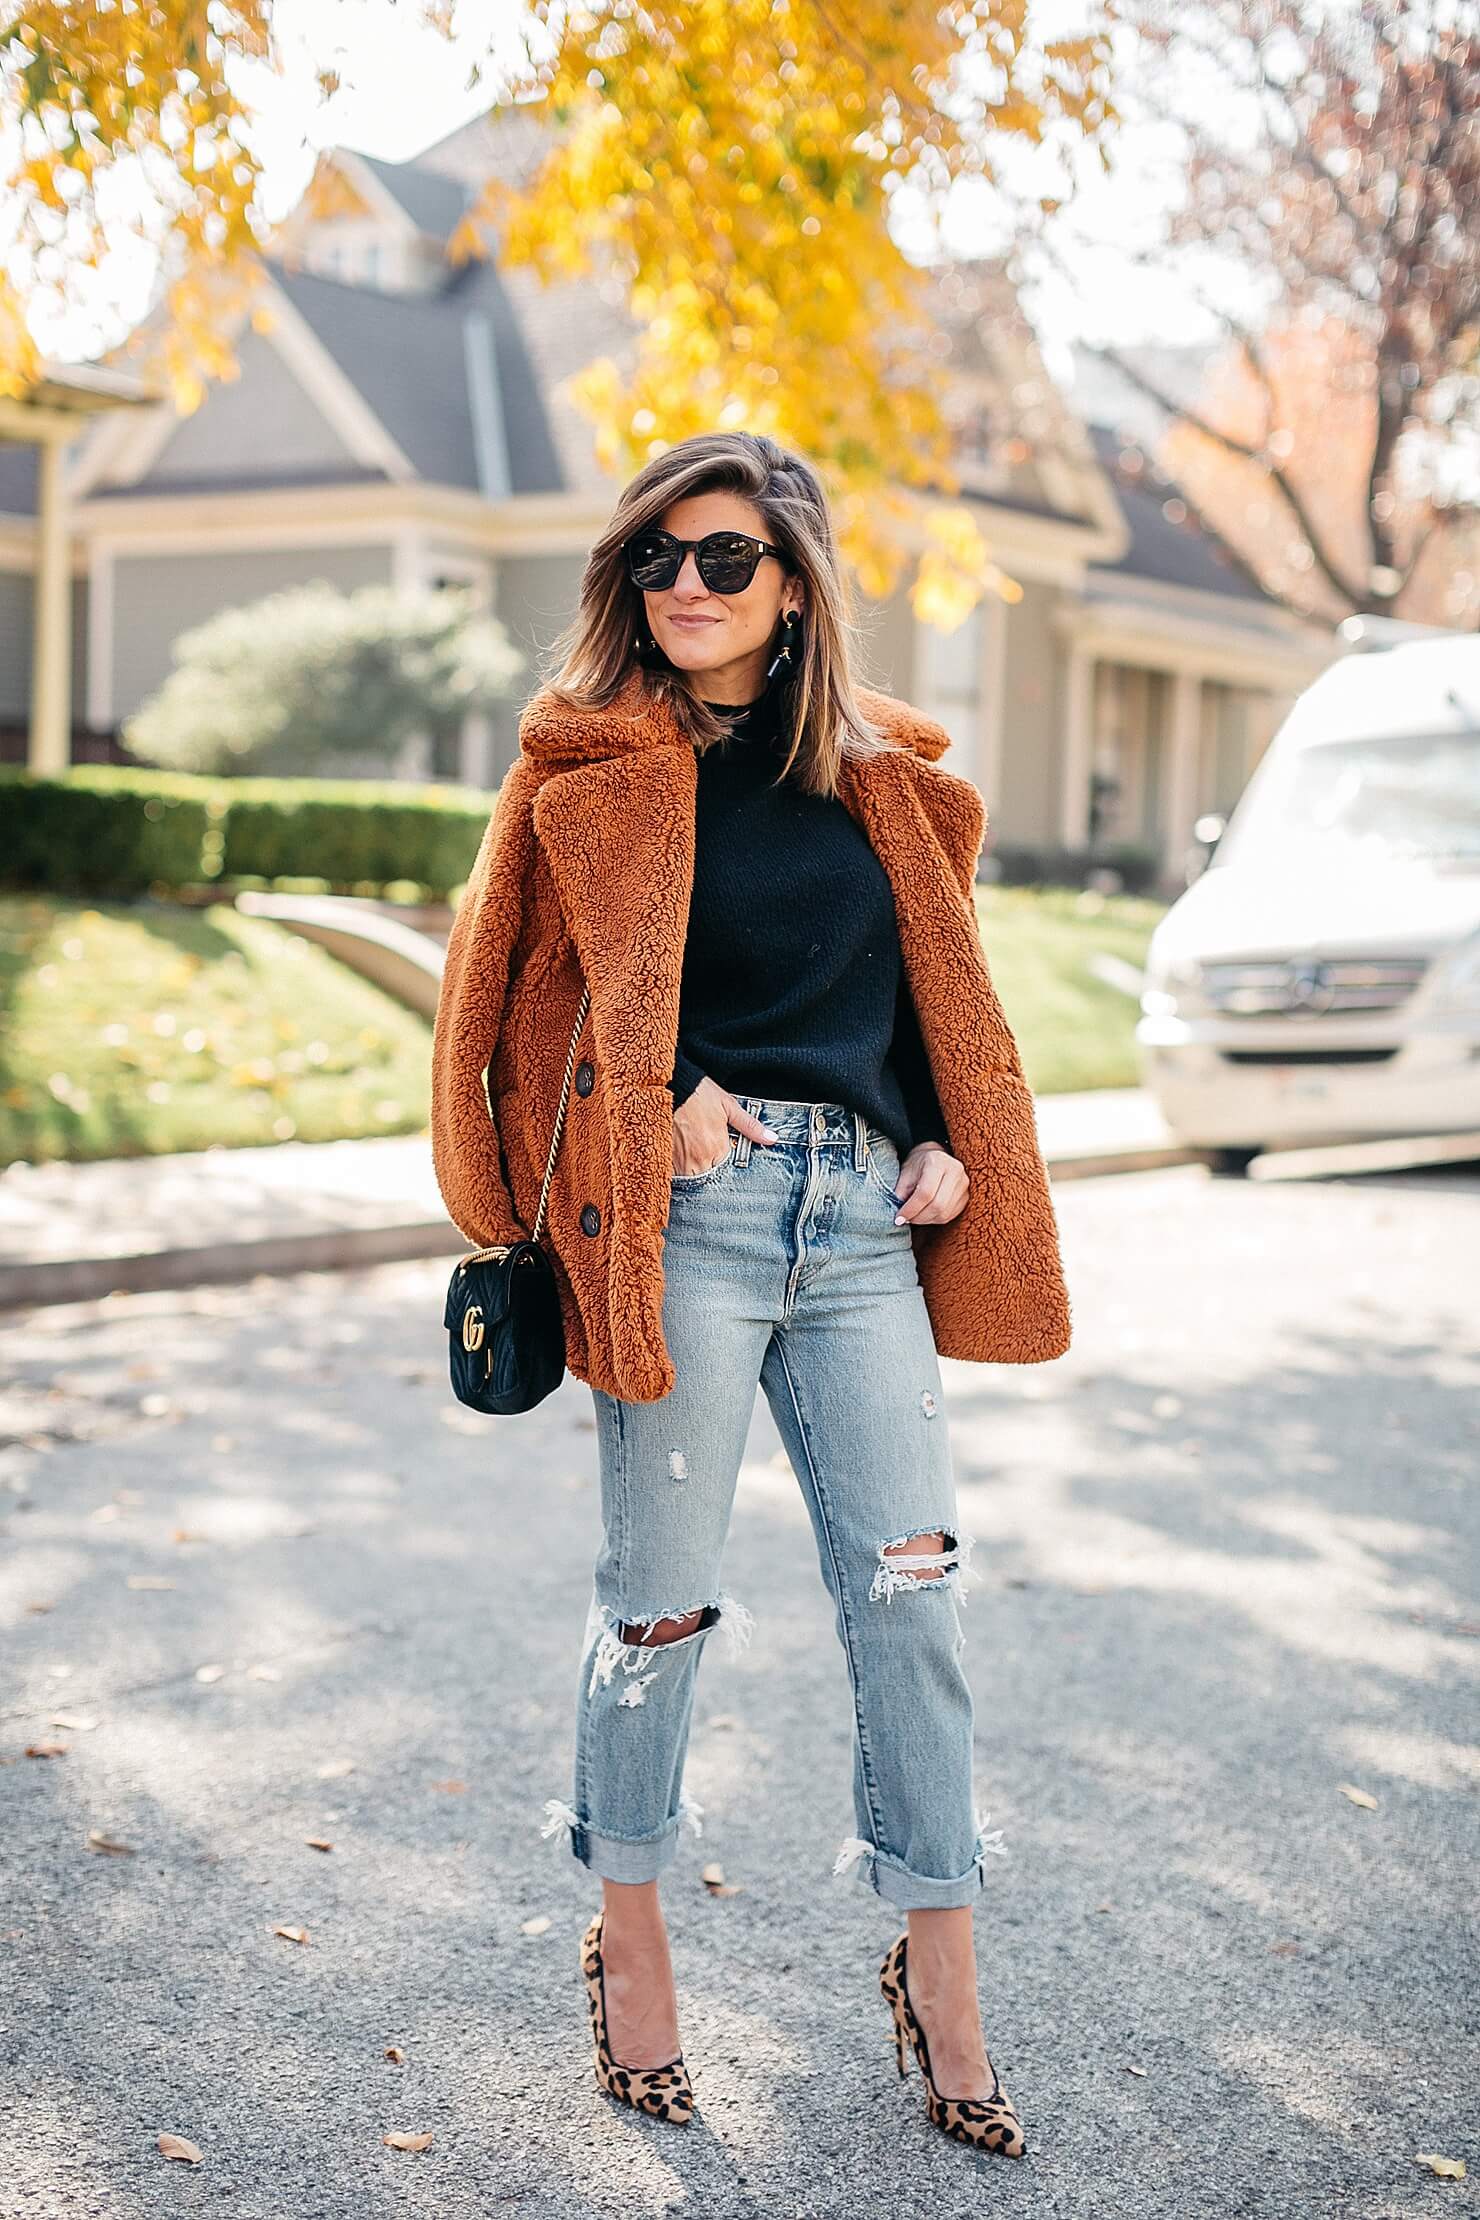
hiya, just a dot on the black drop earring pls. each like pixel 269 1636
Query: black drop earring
pixel 649 654
pixel 788 657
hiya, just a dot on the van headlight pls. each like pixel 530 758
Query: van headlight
pixel 1174 990
pixel 1457 986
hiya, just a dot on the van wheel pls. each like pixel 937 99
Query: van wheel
pixel 1230 1163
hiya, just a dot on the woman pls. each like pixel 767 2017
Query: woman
pixel 798 1151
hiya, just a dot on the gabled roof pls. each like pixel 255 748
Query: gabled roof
pixel 1170 543
pixel 409 356
pixel 433 201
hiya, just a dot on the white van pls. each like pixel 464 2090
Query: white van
pixel 1321 980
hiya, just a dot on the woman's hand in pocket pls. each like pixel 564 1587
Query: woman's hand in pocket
pixel 702 1128
pixel 933 1185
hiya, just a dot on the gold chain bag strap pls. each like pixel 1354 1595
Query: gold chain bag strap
pixel 506 1339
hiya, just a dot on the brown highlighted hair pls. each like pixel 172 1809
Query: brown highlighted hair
pixel 597 652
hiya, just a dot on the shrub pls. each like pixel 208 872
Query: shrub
pixel 1139 868
pixel 121 831
pixel 105 829
pixel 287 683
pixel 351 834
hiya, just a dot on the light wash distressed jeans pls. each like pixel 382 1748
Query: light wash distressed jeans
pixel 783 1265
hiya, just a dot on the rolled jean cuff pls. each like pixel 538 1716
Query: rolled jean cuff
pixel 908 1891
pixel 624 1857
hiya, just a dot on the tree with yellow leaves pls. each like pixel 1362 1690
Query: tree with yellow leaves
pixel 734 161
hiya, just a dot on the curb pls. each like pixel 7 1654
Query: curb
pixel 86 1279
pixel 1153 1158
pixel 338 1248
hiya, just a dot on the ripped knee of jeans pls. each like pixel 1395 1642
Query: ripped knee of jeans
pixel 926 1557
pixel 635 1646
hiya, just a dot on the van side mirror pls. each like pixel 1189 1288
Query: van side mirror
pixel 1206 834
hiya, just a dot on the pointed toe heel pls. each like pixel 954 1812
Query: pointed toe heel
pixel 663 2092
pixel 989 2123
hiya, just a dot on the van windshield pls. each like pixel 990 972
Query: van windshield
pixel 1413 799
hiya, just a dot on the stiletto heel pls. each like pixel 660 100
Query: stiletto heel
pixel 989 2123
pixel 663 2091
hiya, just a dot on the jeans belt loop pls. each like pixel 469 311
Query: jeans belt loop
pixel 743 1143
pixel 860 1142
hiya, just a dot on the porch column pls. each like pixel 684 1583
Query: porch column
pixel 1078 756
pixel 50 744
pixel 475 750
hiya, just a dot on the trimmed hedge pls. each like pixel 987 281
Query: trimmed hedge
pixel 111 829
pixel 353 833
pixel 104 830
pixel 1139 868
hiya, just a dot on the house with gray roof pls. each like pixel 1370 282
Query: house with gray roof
pixel 403 415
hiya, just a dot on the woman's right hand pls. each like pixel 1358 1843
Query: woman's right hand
pixel 702 1126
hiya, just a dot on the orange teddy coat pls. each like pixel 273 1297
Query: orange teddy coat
pixel 584 875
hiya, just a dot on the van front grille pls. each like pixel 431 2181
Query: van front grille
pixel 1285 1056
pixel 1335 986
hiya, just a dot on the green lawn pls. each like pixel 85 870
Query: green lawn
pixel 134 1029
pixel 1073 1030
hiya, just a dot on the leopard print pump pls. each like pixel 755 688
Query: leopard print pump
pixel 988 2122
pixel 662 2091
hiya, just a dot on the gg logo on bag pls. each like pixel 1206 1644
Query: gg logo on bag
pixel 472 1328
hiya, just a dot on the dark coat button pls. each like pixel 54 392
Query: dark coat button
pixel 590 1219
pixel 585 1078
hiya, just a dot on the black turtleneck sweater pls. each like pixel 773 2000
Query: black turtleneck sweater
pixel 793 983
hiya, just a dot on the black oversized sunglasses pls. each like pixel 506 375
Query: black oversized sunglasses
pixel 727 561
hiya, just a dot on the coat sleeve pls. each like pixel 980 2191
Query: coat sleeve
pixel 470 1008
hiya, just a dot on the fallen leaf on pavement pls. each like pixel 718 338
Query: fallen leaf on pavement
pixel 292 1934
pixel 317 1842
pixel 76 1722
pixel 176 2146
pixel 396 2057
pixel 39 1608
pixel 336 1769
pixel 210 1672
pixel 149 1580
pixel 46 1749
pixel 451 1788
pixel 97 1840
pixel 401 2142
pixel 186 1534
pixel 1138 2071
pixel 1448 2169
pixel 1358 1796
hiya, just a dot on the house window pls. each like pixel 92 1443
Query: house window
pixel 950 679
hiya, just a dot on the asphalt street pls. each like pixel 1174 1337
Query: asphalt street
pixel 263 1584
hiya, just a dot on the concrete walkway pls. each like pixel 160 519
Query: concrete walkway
pixel 71 1232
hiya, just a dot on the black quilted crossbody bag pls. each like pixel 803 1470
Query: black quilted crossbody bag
pixel 506 1342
